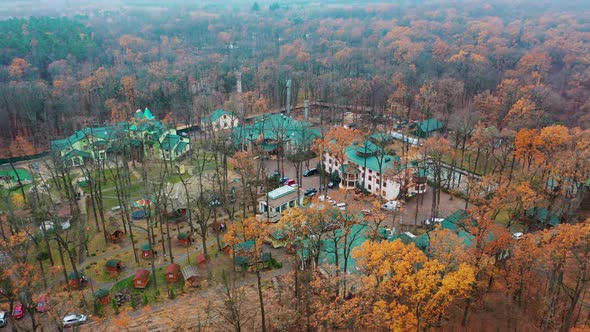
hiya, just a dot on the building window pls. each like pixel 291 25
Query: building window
pixel 370 171
pixel 336 164
pixel 370 178
pixel 384 193
pixel 384 183
pixel 369 187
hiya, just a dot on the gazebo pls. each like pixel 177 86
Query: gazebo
pixel 74 280
pixel 147 251
pixel 114 266
pixel 185 239
pixel 102 295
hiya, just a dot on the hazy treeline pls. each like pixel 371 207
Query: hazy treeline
pixel 520 65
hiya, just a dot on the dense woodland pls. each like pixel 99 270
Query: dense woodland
pixel 513 65
pixel 510 81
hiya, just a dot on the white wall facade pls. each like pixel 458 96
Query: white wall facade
pixel 370 179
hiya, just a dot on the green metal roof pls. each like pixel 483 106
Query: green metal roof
pixel 146 247
pixel 183 236
pixel 113 262
pixel 458 220
pixel 180 147
pixel 146 114
pixel 217 114
pixel 77 153
pixel 245 246
pixel 277 127
pixel 72 275
pixel 328 252
pixel 421 173
pixel 371 162
pixel 543 215
pixel 430 125
pixel 101 293
pixel 170 141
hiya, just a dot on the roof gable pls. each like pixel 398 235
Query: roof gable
pixel 219 113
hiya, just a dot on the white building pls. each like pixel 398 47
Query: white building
pixel 220 120
pixel 273 204
pixel 365 166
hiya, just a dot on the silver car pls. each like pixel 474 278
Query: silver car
pixel 74 320
pixel 3 320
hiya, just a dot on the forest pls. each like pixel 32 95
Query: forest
pixel 509 81
pixel 513 68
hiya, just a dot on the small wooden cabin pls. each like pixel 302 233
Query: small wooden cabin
pixel 172 272
pixel 178 215
pixel 201 259
pixel 114 266
pixel 185 239
pixel 117 236
pixel 75 280
pixel 141 278
pixel 102 295
pixel 147 251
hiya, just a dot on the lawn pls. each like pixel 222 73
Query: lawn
pixel 150 295
pixel 174 178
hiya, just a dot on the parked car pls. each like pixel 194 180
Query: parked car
pixel 310 172
pixel 433 221
pixel 19 311
pixel 43 303
pixel 284 180
pixel 74 320
pixel 330 184
pixel 310 192
pixel 391 206
pixel 50 226
pixel 291 182
pixel 341 206
pixel 3 320
pixel 517 235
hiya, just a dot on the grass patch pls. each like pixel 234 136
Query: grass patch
pixel 174 178
pixel 149 295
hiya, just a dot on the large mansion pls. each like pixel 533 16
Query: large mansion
pixel 142 136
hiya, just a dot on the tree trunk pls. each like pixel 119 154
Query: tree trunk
pixel 261 300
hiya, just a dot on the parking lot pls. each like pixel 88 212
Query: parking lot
pixel 413 212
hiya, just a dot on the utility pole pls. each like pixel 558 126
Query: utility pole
pixel 289 97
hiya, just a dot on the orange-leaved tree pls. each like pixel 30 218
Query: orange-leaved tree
pixel 420 287
pixel 252 230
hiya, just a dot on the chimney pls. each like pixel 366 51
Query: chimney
pixel 306 109
pixel 239 78
pixel 289 97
